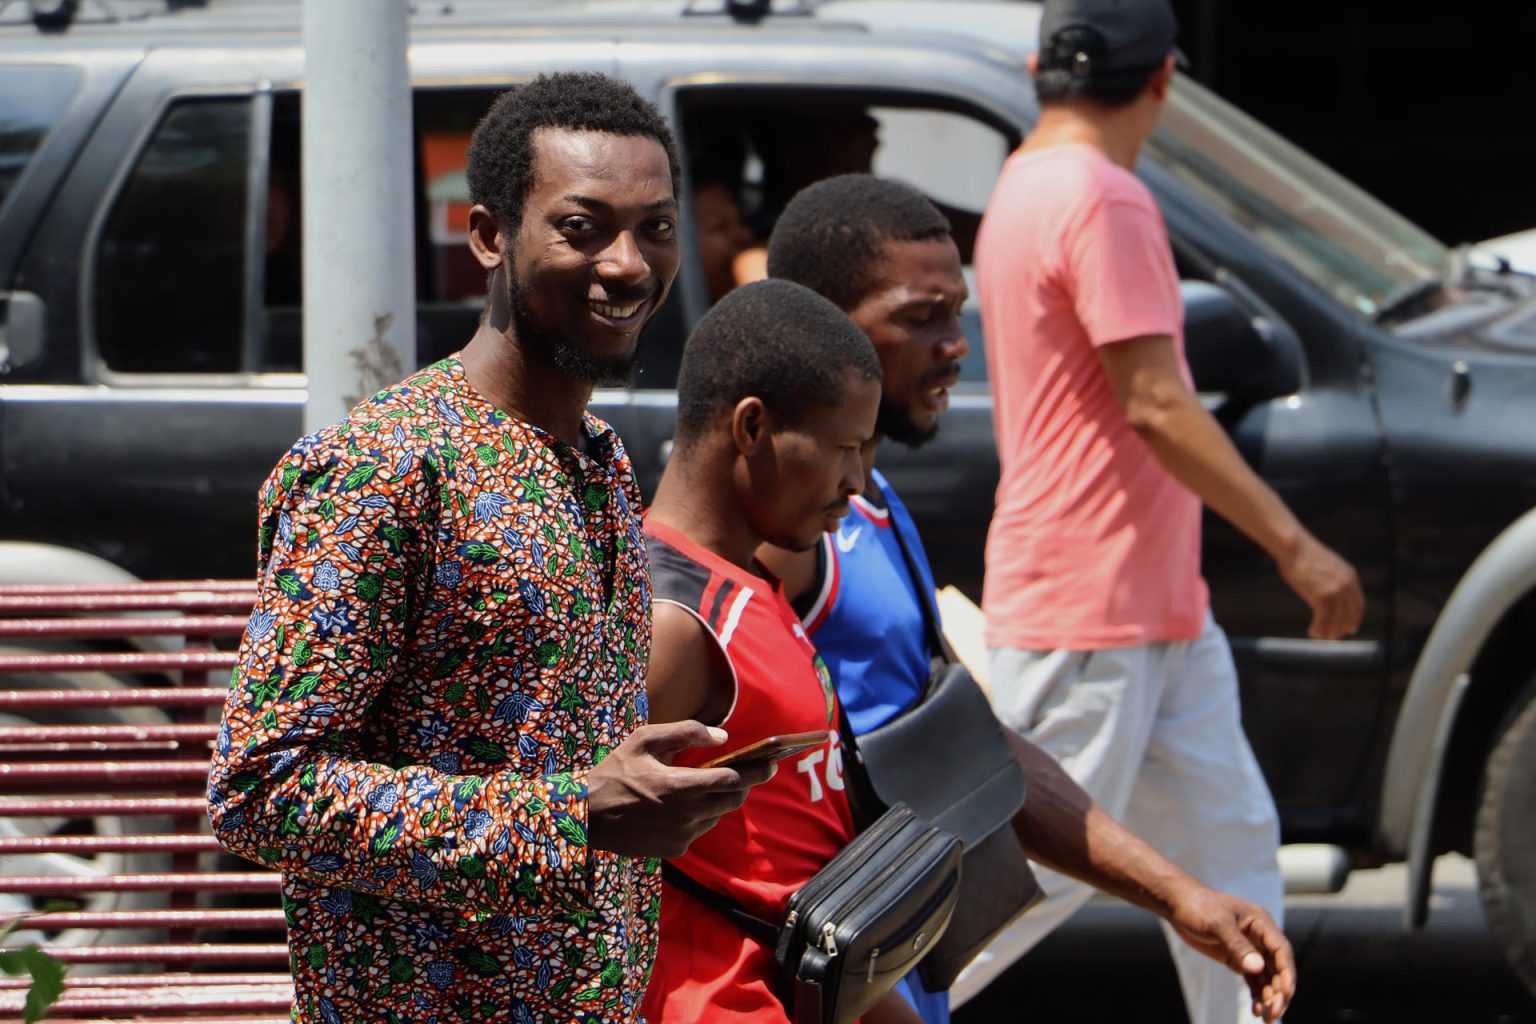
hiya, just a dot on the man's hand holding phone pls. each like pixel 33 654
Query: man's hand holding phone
pixel 771 748
pixel 641 805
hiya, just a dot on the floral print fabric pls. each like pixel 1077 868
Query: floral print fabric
pixel 452 628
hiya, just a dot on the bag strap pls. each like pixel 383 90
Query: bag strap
pixel 759 929
pixel 936 641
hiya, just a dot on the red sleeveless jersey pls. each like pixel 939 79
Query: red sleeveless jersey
pixel 707 968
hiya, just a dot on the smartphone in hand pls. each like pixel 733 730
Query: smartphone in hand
pixel 771 748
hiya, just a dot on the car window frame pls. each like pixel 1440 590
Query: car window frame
pixel 922 95
pixel 94 368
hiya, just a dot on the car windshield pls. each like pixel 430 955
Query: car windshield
pixel 1349 243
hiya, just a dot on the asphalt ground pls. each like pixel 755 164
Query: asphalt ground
pixel 1357 964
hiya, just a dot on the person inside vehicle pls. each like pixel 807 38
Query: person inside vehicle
pixel 883 253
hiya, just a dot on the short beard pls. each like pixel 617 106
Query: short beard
pixel 894 424
pixel 581 368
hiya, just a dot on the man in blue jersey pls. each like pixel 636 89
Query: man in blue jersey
pixel 881 252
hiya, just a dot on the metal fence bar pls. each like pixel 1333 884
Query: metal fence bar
pixel 177 979
pixel 119 661
pixel 151 954
pixel 91 807
pixel 162 587
pixel 230 881
pixel 182 601
pixel 87 845
pixel 120 773
pixel 192 732
pixel 167 696
pixel 112 628
pixel 115 1005
pixel 235 919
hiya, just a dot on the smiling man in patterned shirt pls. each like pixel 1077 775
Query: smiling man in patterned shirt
pixel 436 729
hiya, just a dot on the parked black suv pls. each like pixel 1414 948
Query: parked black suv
pixel 151 350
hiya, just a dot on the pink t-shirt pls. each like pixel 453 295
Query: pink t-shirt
pixel 1093 544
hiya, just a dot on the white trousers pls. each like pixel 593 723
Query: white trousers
pixel 1153 734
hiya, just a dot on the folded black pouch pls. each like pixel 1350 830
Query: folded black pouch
pixel 946 757
pixel 860 923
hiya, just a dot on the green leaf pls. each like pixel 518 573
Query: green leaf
pixel 359 476
pixel 385 839
pixel 446 667
pixel 482 963
pixel 369 587
pixel 328 509
pixel 287 582
pixel 573 831
pixel 611 974
pixel 487 454
pixel 482 553
pixel 306 686
pixel 487 751
pixel 47 978
pixel 561 987
pixel 303 650
pixel 401 969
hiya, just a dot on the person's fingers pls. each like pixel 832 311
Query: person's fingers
pixel 1240 954
pixel 1280 985
pixel 665 739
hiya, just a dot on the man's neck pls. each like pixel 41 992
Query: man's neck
pixel 1118 134
pixel 524 383
pixel 700 503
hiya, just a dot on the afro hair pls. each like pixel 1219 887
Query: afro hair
pixel 775 340
pixel 831 234
pixel 500 164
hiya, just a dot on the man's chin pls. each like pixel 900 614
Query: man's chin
pixel 898 425
pixel 608 370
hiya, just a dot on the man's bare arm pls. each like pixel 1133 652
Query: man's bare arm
pixel 1061 827
pixel 1190 444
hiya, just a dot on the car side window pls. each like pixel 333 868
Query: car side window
pixel 31 100
pixel 749 149
pixel 170 260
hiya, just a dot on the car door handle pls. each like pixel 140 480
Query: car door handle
pixel 23 329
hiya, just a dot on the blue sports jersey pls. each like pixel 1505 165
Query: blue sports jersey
pixel 866 619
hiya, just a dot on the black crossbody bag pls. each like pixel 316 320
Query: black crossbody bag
pixel 860 923
pixel 946 757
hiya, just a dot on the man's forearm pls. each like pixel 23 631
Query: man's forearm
pixel 1061 827
pixel 1193 448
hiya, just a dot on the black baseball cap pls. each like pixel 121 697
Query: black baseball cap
pixel 1094 37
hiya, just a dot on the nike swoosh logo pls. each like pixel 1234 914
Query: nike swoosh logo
pixel 846 541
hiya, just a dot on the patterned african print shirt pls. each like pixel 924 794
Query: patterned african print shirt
pixel 452 628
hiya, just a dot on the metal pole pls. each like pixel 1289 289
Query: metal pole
pixel 359 267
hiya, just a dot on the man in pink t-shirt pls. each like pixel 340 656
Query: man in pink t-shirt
pixel 1103 649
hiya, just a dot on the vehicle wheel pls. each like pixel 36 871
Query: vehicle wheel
pixel 1504 842
pixel 64 864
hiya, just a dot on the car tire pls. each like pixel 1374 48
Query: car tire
pixel 69 865
pixel 1504 841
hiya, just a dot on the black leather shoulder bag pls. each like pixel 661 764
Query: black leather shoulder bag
pixel 860 923
pixel 946 757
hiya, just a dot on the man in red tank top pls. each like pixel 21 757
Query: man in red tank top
pixel 776 396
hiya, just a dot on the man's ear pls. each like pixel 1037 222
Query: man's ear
pixel 1032 64
pixel 486 239
pixel 1162 78
pixel 749 425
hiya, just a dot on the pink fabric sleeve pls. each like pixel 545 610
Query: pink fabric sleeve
pixel 1119 269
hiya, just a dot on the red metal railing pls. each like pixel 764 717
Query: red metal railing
pixel 110 697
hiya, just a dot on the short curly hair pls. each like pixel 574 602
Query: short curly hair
pixel 500 164
pixel 775 340
pixel 830 236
